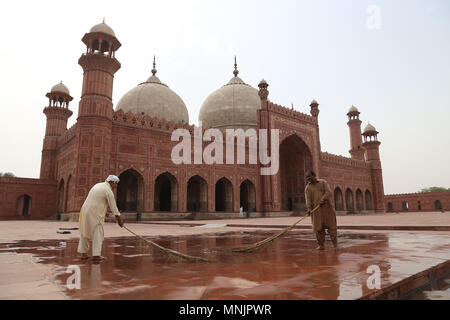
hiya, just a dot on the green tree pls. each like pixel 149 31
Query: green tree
pixel 7 174
pixel 434 189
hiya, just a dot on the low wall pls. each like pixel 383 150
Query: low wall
pixel 416 202
pixel 24 198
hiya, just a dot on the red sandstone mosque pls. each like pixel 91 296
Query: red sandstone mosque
pixel 133 141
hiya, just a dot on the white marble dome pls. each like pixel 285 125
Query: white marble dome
pixel 369 128
pixel 60 87
pixel 102 27
pixel 155 99
pixel 233 106
pixel 353 109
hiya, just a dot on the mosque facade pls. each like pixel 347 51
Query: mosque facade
pixel 133 141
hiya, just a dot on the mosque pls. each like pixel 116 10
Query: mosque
pixel 133 141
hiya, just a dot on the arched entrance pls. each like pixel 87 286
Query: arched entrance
pixel 67 207
pixel 224 195
pixel 197 194
pixel 166 193
pixel 23 206
pixel 349 200
pixel 130 191
pixel 61 196
pixel 368 200
pixel 248 196
pixel 295 160
pixel 338 200
pixel 438 205
pixel 359 200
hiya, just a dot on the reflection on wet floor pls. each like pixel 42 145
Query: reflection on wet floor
pixel 290 268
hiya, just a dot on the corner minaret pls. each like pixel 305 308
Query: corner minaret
pixel 57 113
pixel 354 124
pixel 372 155
pixel 314 105
pixel 95 111
pixel 99 66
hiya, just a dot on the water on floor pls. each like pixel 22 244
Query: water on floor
pixel 289 268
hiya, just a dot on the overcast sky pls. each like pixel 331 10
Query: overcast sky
pixel 391 59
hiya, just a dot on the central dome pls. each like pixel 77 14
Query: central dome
pixel 233 106
pixel 155 99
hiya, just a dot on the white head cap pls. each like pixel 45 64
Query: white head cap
pixel 112 178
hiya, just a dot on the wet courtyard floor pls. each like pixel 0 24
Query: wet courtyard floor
pixel 289 268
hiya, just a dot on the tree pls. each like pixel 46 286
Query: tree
pixel 7 175
pixel 434 189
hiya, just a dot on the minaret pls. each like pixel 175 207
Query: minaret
pixel 314 108
pixel 57 113
pixel 371 144
pixel 264 123
pixel 95 111
pixel 354 124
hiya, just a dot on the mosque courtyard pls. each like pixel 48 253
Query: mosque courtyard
pixel 380 256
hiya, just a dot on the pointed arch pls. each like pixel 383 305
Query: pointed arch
pixel 359 200
pixel 197 194
pixel 60 208
pixel 166 193
pixel 338 199
pixel 23 205
pixel 247 195
pixel 130 191
pixel 224 195
pixel 295 160
pixel 349 200
pixel 68 192
pixel 368 200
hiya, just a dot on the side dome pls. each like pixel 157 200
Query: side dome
pixel 369 128
pixel 60 87
pixel 155 99
pixel 233 106
pixel 102 27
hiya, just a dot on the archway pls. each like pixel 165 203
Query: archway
pixel 166 193
pixel 23 206
pixel 349 200
pixel 338 200
pixel 247 196
pixel 438 205
pixel 66 202
pixel 295 160
pixel 130 191
pixel 197 194
pixel 359 200
pixel 224 195
pixel 61 196
pixel 368 200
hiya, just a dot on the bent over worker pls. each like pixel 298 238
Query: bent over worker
pixel 92 217
pixel 318 192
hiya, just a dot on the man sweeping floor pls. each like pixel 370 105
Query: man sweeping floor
pixel 318 192
pixel 92 217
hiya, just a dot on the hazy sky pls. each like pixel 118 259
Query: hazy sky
pixel 395 69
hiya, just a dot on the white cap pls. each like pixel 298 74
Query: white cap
pixel 112 178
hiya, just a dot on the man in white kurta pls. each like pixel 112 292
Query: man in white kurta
pixel 92 217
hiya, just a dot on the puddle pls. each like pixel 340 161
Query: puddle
pixel 289 268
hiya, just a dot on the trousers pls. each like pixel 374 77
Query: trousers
pixel 97 241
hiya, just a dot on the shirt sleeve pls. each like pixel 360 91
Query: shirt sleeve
pixel 112 202
pixel 327 192
pixel 308 198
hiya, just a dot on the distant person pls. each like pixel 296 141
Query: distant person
pixel 318 192
pixel 92 217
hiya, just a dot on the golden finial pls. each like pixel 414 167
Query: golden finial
pixel 235 72
pixel 154 65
